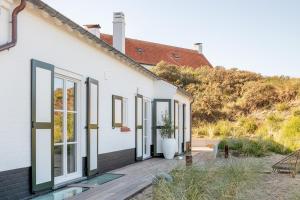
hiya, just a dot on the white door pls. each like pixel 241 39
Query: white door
pixel 147 129
pixel 67 165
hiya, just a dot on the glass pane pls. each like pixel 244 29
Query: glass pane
pixel 58 94
pixel 58 127
pixel 58 160
pixel 162 111
pixel 118 111
pixel 71 118
pixel 139 111
pixel 176 114
pixel 71 158
pixel 71 95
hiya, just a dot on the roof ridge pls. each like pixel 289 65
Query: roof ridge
pixel 156 43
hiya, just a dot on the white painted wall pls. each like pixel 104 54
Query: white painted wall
pixel 184 100
pixel 5 18
pixel 43 40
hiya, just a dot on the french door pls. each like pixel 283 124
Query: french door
pixel 147 129
pixel 67 165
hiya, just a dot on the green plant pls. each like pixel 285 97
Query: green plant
pixel 223 128
pixel 282 107
pixel 167 130
pixel 290 134
pixel 228 180
pixel 274 121
pixel 296 113
pixel 201 131
pixel 256 147
pixel 248 125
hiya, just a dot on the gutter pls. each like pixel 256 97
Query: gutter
pixel 14 24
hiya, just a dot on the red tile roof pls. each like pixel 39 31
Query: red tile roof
pixel 150 53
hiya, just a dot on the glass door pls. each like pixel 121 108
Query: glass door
pixel 147 128
pixel 66 145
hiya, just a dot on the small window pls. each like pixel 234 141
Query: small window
pixel 117 111
pixel 120 112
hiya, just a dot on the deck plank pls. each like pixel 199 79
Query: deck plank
pixel 137 176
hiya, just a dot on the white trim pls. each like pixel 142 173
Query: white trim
pixel 76 78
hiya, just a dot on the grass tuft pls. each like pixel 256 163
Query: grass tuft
pixel 226 180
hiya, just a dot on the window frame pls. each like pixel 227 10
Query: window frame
pixel 114 124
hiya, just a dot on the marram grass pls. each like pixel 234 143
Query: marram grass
pixel 226 180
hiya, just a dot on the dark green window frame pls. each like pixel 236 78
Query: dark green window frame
pixel 114 124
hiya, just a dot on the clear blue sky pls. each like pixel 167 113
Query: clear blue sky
pixel 257 35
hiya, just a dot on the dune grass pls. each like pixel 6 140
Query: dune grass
pixel 224 181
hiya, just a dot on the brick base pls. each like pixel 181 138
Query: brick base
pixel 15 184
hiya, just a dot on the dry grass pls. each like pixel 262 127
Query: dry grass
pixel 220 180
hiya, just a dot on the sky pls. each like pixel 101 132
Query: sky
pixel 256 35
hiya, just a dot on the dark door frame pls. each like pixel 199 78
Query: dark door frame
pixel 155 127
pixel 90 126
pixel 137 127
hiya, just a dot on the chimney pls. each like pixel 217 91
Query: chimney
pixel 198 47
pixel 93 28
pixel 119 31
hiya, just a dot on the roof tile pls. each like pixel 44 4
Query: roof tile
pixel 150 53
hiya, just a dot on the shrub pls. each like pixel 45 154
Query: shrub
pixel 296 113
pixel 248 125
pixel 275 147
pixel 256 147
pixel 201 131
pixel 282 107
pixel 258 95
pixel 274 121
pixel 290 134
pixel 223 128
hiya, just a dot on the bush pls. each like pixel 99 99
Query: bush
pixel 274 122
pixel 256 147
pixel 247 125
pixel 282 107
pixel 290 134
pixel 223 128
pixel 296 113
pixel 201 131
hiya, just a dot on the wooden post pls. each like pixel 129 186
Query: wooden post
pixel 188 160
pixel 226 151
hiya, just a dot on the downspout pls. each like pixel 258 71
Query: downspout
pixel 14 30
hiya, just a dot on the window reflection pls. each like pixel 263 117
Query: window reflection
pixel 71 92
pixel 58 94
pixel 58 127
pixel 71 126
pixel 71 158
pixel 58 160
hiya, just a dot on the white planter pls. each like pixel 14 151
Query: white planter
pixel 169 147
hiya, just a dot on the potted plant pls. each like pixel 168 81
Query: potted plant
pixel 168 140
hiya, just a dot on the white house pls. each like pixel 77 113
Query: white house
pixel 73 106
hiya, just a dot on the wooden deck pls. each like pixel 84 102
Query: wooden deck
pixel 137 177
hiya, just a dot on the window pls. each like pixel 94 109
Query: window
pixel 65 127
pixel 119 112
